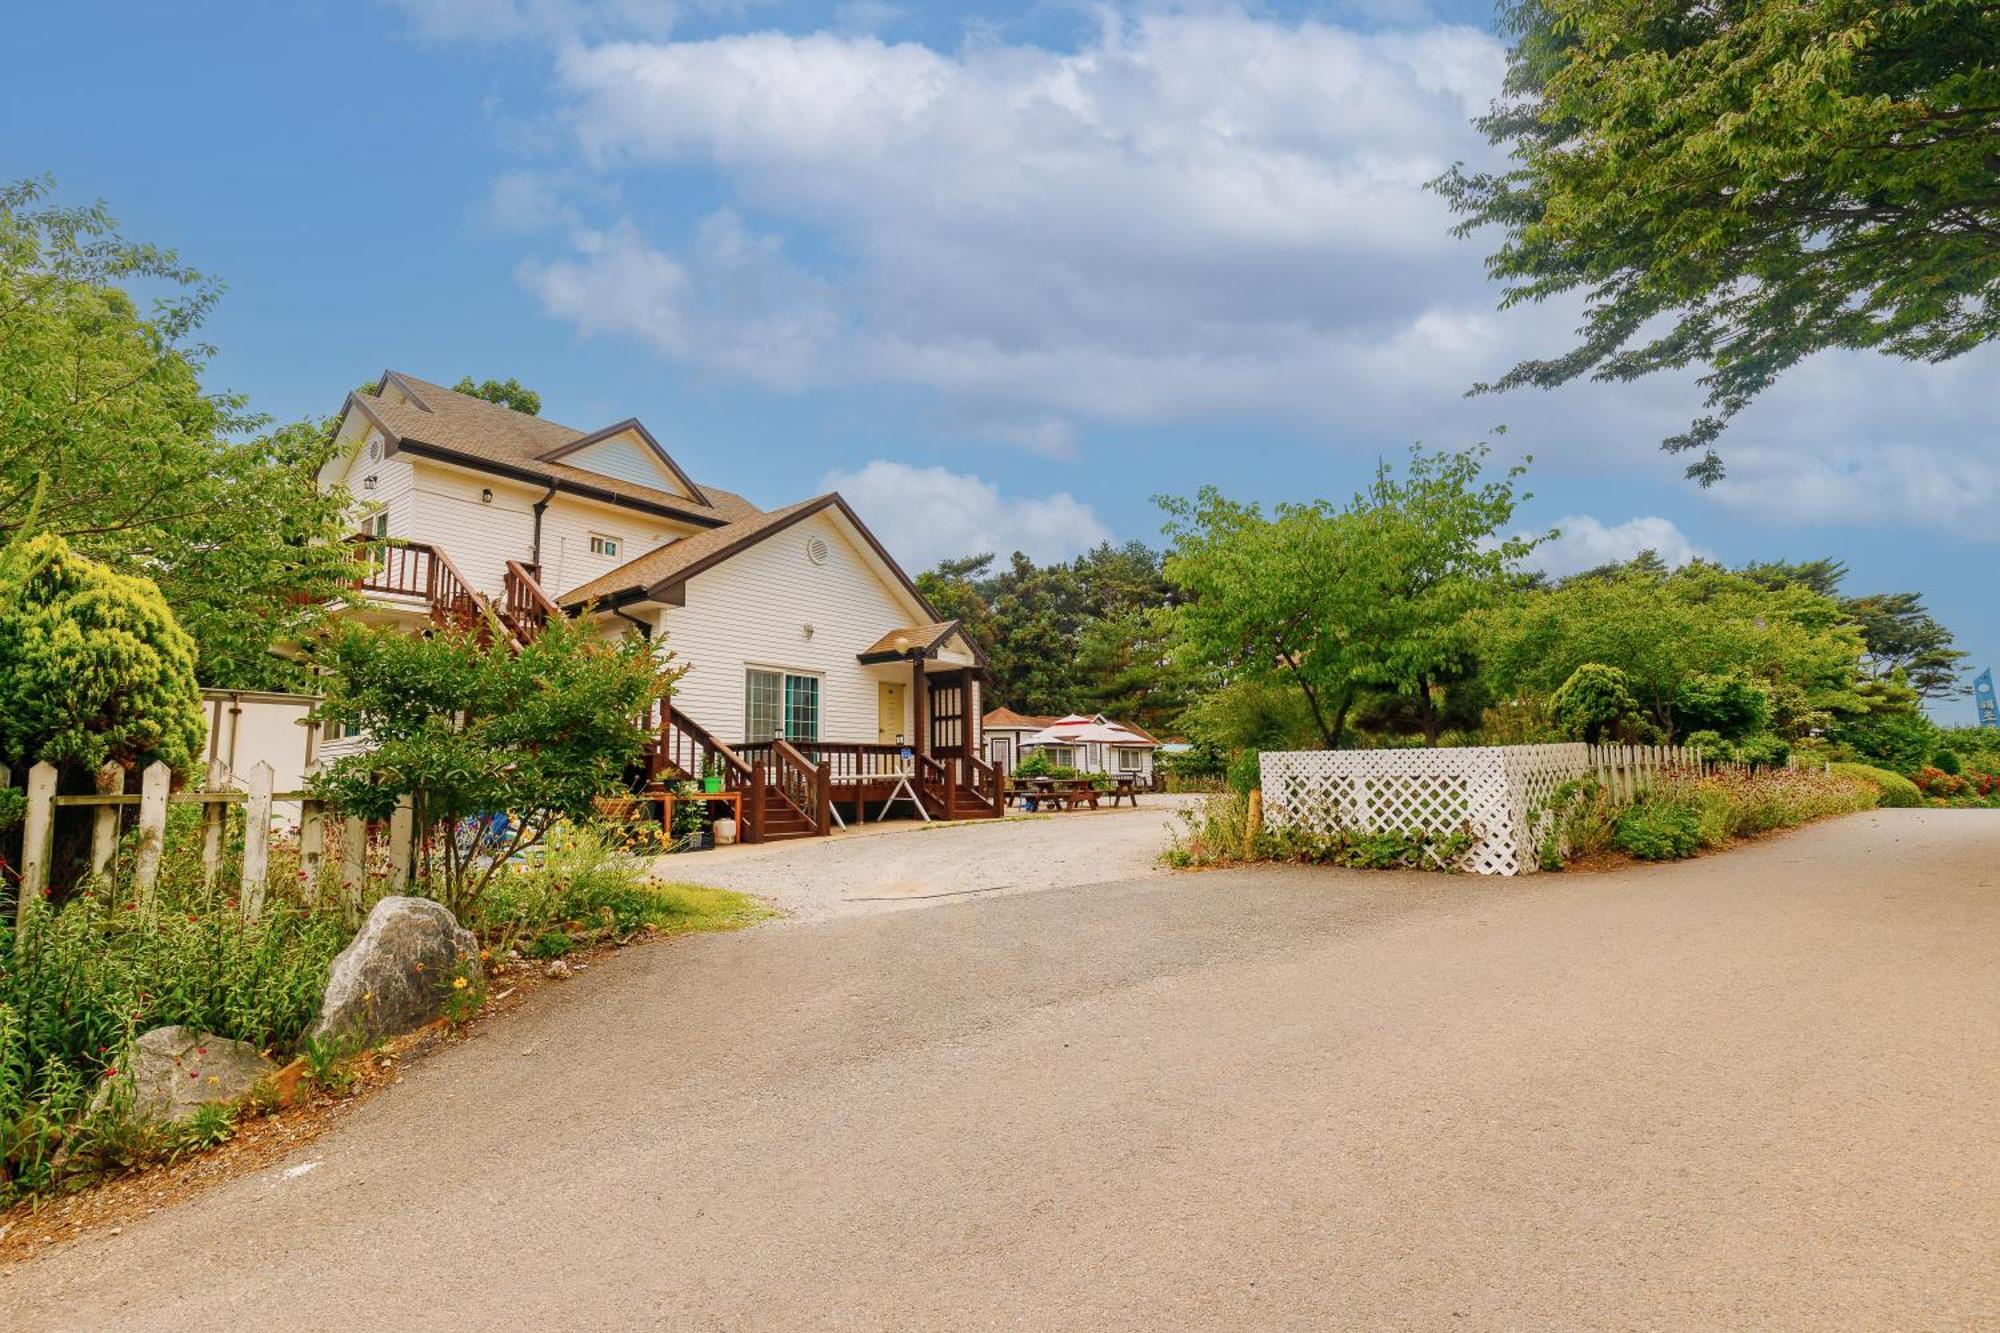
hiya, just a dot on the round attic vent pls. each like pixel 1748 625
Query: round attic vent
pixel 817 550
pixel 375 448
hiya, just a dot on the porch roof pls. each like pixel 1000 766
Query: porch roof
pixel 914 641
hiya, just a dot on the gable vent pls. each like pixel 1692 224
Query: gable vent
pixel 817 550
pixel 374 448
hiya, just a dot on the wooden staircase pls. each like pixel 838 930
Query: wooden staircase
pixel 782 794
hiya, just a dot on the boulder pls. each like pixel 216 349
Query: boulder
pixel 173 1071
pixel 392 978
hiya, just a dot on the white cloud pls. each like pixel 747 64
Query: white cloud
pixel 927 514
pixel 1205 215
pixel 1588 542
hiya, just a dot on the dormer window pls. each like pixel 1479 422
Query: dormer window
pixel 602 545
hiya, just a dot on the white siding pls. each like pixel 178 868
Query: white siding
pixel 393 480
pixel 752 609
pixel 628 458
pixel 482 537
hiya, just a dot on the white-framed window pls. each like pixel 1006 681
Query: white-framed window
pixel 1130 760
pixel 376 522
pixel 1062 756
pixel 603 545
pixel 775 701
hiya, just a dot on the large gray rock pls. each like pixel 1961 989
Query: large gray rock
pixel 174 1071
pixel 392 978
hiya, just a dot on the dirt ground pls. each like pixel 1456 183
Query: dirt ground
pixel 1747 1091
pixel 900 863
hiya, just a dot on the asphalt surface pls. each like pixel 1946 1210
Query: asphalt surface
pixel 1752 1091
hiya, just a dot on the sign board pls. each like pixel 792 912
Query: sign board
pixel 1982 695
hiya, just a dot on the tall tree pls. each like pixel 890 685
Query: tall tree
pixel 1897 632
pixel 105 418
pixel 1430 556
pixel 509 393
pixel 1739 185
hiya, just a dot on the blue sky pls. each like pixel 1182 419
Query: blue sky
pixel 1001 272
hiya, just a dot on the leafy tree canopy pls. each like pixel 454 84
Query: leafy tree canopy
pixel 105 417
pixel 509 393
pixel 1737 186
pixel 1592 704
pixel 1673 634
pixel 1899 634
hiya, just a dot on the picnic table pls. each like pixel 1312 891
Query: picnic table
pixel 1071 793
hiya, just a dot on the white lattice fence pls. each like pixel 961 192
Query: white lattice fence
pixel 1488 789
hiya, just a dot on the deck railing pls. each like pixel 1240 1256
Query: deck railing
pixel 400 568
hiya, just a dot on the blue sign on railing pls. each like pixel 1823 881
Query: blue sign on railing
pixel 1982 695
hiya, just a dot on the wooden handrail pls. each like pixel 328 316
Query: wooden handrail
pixel 805 785
pixel 407 568
pixel 525 606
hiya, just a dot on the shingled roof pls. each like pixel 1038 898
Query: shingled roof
pixel 457 427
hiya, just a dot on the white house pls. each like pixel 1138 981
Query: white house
pixel 1089 743
pixel 818 675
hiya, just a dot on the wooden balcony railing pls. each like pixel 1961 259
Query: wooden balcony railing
pixel 399 568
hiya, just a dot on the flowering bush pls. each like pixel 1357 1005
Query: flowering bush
pixel 1682 815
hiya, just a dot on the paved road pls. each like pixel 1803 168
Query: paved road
pixel 1756 1091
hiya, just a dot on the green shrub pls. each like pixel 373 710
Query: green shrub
pixel 1593 703
pixel 1659 830
pixel 1892 790
pixel 1246 772
pixel 1947 761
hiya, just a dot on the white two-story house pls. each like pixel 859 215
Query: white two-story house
pixel 818 677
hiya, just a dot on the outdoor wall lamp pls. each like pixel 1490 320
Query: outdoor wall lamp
pixel 486 495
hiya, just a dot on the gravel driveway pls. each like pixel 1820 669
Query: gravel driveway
pixel 899 863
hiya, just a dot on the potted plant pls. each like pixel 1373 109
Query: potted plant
pixel 711 775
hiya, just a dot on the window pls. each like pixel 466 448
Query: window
pixel 775 700
pixel 602 545
pixel 1062 756
pixel 376 523
pixel 1131 761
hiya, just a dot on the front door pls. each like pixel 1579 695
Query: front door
pixel 1000 752
pixel 889 713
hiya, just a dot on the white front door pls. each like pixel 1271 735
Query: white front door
pixel 1000 752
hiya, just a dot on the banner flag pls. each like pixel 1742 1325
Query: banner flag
pixel 1982 695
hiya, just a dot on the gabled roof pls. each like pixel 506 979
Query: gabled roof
pixel 920 640
pixel 1006 719
pixel 619 428
pixel 660 575
pixel 458 428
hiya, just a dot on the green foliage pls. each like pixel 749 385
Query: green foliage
pixel 1245 772
pixel 1892 731
pixel 1658 830
pixel 1947 761
pixel 1893 790
pixel 1669 631
pixel 207 1127
pixel 93 668
pixel 579 889
pixel 463 992
pixel 136 463
pixel 1727 703
pixel 1088 635
pixel 509 393
pixel 494 746
pixel 84 979
pixel 1740 186
pixel 1330 602
pixel 330 1063
pixel 1902 639
pixel 1593 704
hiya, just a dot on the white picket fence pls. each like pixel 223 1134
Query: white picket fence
pixel 1498 792
pixel 251 792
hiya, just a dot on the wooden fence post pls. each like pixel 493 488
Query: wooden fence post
pixel 213 813
pixel 1254 825
pixel 312 848
pixel 35 840
pixel 401 823
pixel 353 861
pixel 256 840
pixel 104 821
pixel 153 783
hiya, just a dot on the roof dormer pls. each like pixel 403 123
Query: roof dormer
pixel 628 452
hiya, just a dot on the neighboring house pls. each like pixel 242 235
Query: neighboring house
pixel 818 674
pixel 1089 743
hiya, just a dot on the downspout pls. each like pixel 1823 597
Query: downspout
pixel 540 505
